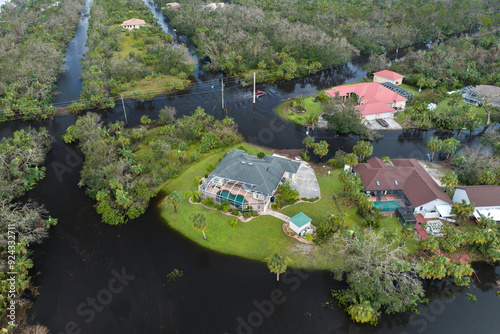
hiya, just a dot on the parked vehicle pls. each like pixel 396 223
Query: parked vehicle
pixel 383 122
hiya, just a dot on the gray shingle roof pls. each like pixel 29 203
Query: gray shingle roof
pixel 265 174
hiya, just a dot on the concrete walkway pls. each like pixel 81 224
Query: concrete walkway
pixel 276 214
pixel 305 182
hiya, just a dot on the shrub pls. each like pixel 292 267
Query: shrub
pixel 371 222
pixel 275 206
pixel 261 155
pixel 233 222
pixel 247 214
pixel 225 206
pixel 236 212
pixel 321 97
pixel 209 201
pixel 255 213
pixel 175 274
pixel 309 237
pixel 304 156
pixel 314 199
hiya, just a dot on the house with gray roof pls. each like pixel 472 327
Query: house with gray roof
pixel 247 182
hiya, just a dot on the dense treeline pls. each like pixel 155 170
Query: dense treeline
pixel 456 63
pixel 125 167
pixel 108 68
pixel 308 35
pixel 21 225
pixel 239 38
pixel 33 37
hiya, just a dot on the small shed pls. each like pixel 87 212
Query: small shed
pixel 299 222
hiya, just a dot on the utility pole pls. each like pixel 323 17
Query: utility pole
pixel 222 88
pixel 253 87
pixel 124 112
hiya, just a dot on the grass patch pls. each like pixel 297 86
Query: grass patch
pixel 313 108
pixel 155 85
pixel 130 44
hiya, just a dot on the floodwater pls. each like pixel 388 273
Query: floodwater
pixel 96 278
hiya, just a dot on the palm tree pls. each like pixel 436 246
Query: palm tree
pixel 174 200
pixel 277 264
pixel 435 144
pixel 308 142
pixel 200 223
pixel 312 119
pixel 449 180
pixel 194 195
pixel 321 149
pixel 351 159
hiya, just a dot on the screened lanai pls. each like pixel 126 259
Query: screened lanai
pixel 239 194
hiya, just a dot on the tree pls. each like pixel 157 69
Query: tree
pixel 408 231
pixel 312 119
pixel 379 278
pixel 309 143
pixel 462 210
pixel 450 146
pixel 363 149
pixel 200 223
pixel 351 159
pixel 487 176
pixel 435 144
pixel 167 115
pixel 449 180
pixel 321 149
pixel 194 195
pixel 174 200
pixel 277 264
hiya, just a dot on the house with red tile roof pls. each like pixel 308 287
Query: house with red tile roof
pixel 388 76
pixel 486 200
pixel 405 184
pixel 375 101
pixel 133 24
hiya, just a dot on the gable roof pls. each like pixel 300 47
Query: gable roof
pixel 389 74
pixel 368 92
pixel 300 219
pixel 406 175
pixel 133 22
pixel 483 195
pixel 264 174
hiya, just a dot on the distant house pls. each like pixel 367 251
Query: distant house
pixel 214 5
pixel 173 5
pixel 388 76
pixel 133 24
pixel 300 222
pixel 402 186
pixel 480 94
pixel 246 181
pixel 486 200
pixel 375 101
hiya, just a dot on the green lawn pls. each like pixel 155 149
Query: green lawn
pixel 262 236
pixel 155 85
pixel 313 108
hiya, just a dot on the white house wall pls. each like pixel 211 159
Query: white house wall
pixel 430 207
pixel 460 194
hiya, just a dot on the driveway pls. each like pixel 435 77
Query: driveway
pixel 305 182
pixel 393 125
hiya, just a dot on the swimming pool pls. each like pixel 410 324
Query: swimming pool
pixel 386 205
pixel 237 201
